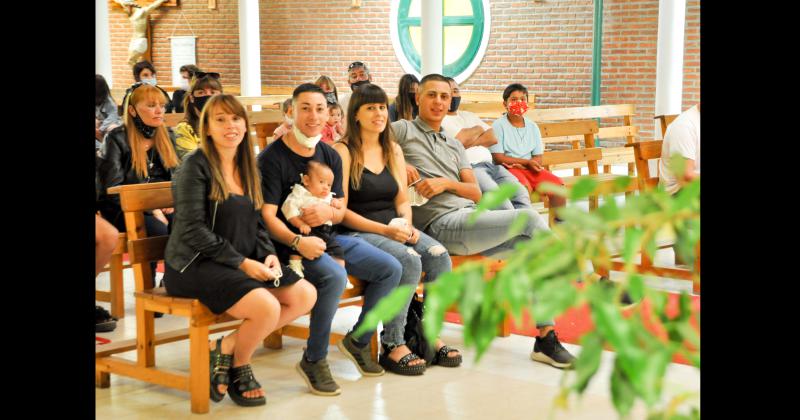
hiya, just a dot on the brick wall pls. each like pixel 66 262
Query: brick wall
pixel 546 46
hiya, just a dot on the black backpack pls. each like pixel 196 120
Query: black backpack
pixel 415 338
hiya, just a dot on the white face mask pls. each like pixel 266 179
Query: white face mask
pixel 151 82
pixel 183 84
pixel 289 120
pixel 304 141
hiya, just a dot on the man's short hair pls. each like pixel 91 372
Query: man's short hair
pixel 450 79
pixel 356 64
pixel 436 77
pixel 306 87
pixel 138 67
pixel 189 68
pixel 513 88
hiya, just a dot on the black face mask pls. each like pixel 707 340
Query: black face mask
pixel 412 99
pixel 455 100
pixel 200 102
pixel 330 97
pixel 146 130
pixel 354 86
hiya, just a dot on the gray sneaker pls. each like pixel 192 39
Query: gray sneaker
pixel 360 356
pixel 318 377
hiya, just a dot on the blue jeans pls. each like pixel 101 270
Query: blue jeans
pixel 489 176
pixel 426 255
pixel 488 236
pixel 379 270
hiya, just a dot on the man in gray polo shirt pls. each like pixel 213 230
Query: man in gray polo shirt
pixel 449 184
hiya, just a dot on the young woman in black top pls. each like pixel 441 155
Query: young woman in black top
pixel 220 253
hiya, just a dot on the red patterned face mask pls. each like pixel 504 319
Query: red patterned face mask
pixel 518 108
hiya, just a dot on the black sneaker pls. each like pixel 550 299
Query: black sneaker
pixel 549 350
pixel 318 377
pixel 360 356
pixel 104 322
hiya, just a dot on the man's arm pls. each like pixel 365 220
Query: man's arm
pixel 469 136
pixel 467 188
pixel 486 139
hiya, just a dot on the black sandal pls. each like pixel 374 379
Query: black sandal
pixel 442 359
pixel 220 364
pixel 243 381
pixel 402 366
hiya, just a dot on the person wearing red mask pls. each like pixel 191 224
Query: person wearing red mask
pixel 519 144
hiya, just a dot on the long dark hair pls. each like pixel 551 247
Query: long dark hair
pixel 367 94
pixel 244 160
pixel 101 90
pixel 198 84
pixel 404 106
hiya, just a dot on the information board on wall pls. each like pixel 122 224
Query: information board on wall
pixel 183 53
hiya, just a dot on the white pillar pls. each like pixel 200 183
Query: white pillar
pixel 249 48
pixel 669 59
pixel 102 41
pixel 431 17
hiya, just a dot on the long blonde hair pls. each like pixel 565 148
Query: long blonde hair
pixel 244 159
pixel 161 140
pixel 368 94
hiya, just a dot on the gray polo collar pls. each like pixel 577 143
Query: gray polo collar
pixel 424 127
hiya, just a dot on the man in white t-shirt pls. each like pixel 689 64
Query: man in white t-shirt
pixel 477 136
pixel 682 138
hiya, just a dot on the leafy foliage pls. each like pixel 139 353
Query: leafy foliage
pixel 542 276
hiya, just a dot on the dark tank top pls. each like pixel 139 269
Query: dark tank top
pixel 375 199
pixel 237 221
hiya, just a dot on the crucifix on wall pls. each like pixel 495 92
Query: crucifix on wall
pixel 139 47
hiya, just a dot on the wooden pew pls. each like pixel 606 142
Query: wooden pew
pixel 255 117
pixel 135 199
pixel 645 151
pixel 665 121
pixel 116 293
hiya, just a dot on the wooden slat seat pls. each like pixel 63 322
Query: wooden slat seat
pixel 116 293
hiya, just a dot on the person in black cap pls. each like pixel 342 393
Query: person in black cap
pixel 357 75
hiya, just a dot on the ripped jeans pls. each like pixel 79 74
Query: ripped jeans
pixel 426 255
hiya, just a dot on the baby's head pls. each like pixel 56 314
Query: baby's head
pixel 318 179
pixel 335 114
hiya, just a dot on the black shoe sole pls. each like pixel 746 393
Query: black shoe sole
pixel 106 326
pixel 311 387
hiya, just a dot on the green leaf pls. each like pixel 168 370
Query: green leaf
pixel 473 294
pixel 622 393
pixel 588 361
pixel 582 188
pixel 492 199
pixel 677 164
pixel 636 286
pixel 609 211
pixel 553 297
pixel 688 197
pixel 622 182
pixel 651 376
pixel 582 219
pixel 439 296
pixel 632 245
pixel 386 309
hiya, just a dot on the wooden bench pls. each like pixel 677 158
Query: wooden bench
pixel 488 110
pixel 665 121
pixel 645 151
pixel 116 293
pixel 134 200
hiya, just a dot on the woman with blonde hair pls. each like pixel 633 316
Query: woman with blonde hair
pixel 219 250
pixel 327 85
pixel 141 150
pixel 203 86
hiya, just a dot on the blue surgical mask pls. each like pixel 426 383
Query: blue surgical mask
pixel 151 82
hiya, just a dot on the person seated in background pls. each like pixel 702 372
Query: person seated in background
pixel 141 150
pixel 405 105
pixel 225 258
pixel 144 72
pixel 286 125
pixel 357 75
pixel 204 86
pixel 477 137
pixel 105 110
pixel 682 138
pixel 187 73
pixel 327 85
pixel 519 145
pixel 333 130
pixel 449 184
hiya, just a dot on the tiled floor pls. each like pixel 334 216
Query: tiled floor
pixel 505 384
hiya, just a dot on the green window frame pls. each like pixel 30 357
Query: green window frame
pixel 404 22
